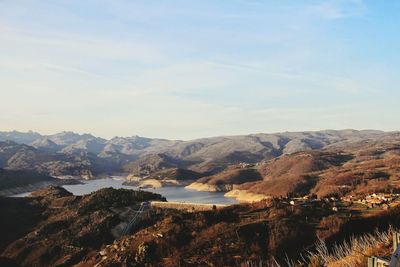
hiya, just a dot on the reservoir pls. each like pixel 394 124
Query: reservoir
pixel 171 193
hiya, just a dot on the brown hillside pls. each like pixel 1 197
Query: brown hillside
pixel 359 168
pixel 361 177
pixel 294 173
pixel 233 175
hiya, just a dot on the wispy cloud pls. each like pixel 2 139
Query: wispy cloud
pixel 184 69
pixel 339 9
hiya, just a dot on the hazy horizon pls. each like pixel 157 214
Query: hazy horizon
pixel 180 139
pixel 186 70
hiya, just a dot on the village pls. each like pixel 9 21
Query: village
pixel 379 201
pixel 375 200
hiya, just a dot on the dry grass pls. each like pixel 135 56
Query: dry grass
pixel 352 253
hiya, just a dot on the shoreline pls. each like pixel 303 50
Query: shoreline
pixel 244 196
pixel 202 187
pixel 23 191
pixel 155 183
pixel 10 192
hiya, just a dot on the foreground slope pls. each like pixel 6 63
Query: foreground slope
pixel 59 229
pixel 62 229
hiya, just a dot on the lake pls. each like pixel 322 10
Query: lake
pixel 172 193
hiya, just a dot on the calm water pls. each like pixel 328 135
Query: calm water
pixel 171 193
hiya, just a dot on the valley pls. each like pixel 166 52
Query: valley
pixel 268 199
pixel 244 133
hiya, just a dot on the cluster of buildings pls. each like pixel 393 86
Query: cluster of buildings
pixel 375 200
pixel 381 200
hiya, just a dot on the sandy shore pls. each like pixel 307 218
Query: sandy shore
pixel 244 196
pixel 210 187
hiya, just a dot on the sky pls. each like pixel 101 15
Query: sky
pixel 189 69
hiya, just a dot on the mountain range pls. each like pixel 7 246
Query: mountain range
pixel 272 157
pixel 204 155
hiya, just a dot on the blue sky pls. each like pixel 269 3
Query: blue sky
pixel 188 69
